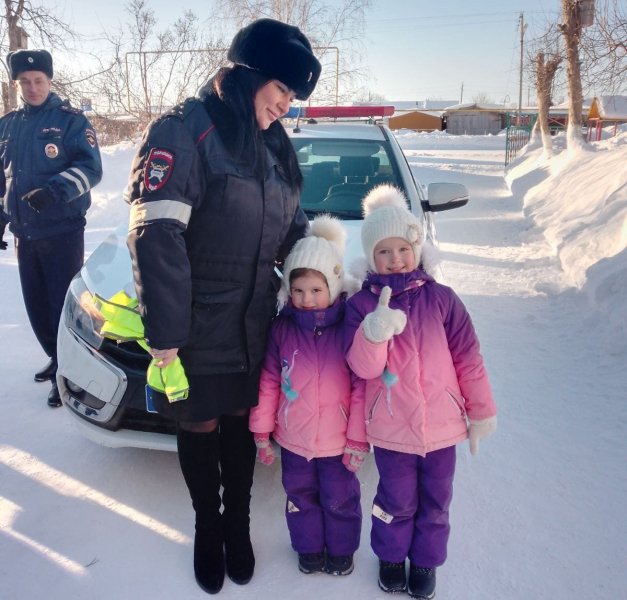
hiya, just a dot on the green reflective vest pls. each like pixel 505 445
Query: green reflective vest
pixel 123 323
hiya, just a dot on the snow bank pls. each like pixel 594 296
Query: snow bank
pixel 108 209
pixel 577 199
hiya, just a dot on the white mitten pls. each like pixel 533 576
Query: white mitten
pixel 384 322
pixel 479 430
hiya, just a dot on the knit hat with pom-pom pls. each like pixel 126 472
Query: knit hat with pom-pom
pixel 387 215
pixel 321 250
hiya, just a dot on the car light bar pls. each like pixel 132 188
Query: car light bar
pixel 316 112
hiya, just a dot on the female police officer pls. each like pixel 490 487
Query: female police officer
pixel 214 192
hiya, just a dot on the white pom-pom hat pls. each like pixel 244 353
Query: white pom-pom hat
pixel 387 215
pixel 321 250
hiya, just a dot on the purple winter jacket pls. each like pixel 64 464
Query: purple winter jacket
pixel 423 385
pixel 306 395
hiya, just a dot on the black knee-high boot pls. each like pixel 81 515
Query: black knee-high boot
pixel 199 458
pixel 237 459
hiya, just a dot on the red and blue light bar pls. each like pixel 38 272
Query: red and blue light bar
pixel 338 112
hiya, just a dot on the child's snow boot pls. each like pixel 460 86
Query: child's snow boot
pixel 339 565
pixel 392 576
pixel 311 563
pixel 421 583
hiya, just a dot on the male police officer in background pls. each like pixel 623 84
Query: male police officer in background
pixel 50 160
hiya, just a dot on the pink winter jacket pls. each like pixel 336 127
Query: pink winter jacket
pixel 306 398
pixel 423 385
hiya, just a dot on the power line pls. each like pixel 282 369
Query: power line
pixel 442 16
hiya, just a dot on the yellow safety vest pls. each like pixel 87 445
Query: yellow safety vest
pixel 123 323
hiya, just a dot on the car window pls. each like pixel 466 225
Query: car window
pixel 339 173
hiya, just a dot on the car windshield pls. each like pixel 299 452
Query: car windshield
pixel 338 173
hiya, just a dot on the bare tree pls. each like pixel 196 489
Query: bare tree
pixel 571 31
pixel 604 49
pixel 368 96
pixel 545 69
pixel 335 29
pixel 160 68
pixel 482 98
pixel 23 20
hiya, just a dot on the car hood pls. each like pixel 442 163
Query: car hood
pixel 108 269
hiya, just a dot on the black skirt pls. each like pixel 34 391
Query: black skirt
pixel 211 396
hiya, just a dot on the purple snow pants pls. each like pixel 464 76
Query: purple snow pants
pixel 323 508
pixel 410 510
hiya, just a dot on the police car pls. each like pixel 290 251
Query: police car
pixel 102 383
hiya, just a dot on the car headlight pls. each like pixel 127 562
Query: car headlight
pixel 81 316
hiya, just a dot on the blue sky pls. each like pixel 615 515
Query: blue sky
pixel 449 50
pixel 421 49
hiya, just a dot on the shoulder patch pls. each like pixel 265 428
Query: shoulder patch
pixel 158 168
pixel 90 135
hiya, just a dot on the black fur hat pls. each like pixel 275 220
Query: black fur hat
pixel 279 51
pixel 29 60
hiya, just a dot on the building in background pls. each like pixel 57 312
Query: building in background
pixel 474 119
pixel 606 111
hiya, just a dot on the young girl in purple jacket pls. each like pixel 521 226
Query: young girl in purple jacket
pixel 307 403
pixel 426 389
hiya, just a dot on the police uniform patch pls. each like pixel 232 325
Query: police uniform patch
pixel 90 134
pixel 158 169
pixel 51 150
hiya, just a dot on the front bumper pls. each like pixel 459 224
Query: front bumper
pixel 107 397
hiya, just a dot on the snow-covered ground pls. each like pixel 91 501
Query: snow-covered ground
pixel 539 258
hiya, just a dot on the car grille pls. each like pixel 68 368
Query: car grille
pixel 135 361
pixel 130 354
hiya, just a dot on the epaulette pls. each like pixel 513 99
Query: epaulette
pixel 71 109
pixel 182 110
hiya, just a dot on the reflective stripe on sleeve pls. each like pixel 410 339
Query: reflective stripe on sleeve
pixel 81 175
pixel 82 188
pixel 158 210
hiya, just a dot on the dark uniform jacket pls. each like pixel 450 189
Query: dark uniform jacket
pixel 51 146
pixel 204 236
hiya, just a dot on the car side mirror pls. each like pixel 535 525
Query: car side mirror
pixel 445 196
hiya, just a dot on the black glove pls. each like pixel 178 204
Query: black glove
pixel 3 244
pixel 38 198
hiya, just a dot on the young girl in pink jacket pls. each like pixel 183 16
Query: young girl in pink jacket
pixel 426 389
pixel 307 404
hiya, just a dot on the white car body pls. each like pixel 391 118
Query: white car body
pixel 102 384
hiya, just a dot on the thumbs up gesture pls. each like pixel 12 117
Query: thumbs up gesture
pixel 384 322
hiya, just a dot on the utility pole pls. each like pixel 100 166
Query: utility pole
pixel 522 26
pixel 461 95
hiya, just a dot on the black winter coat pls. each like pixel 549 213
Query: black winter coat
pixel 205 234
